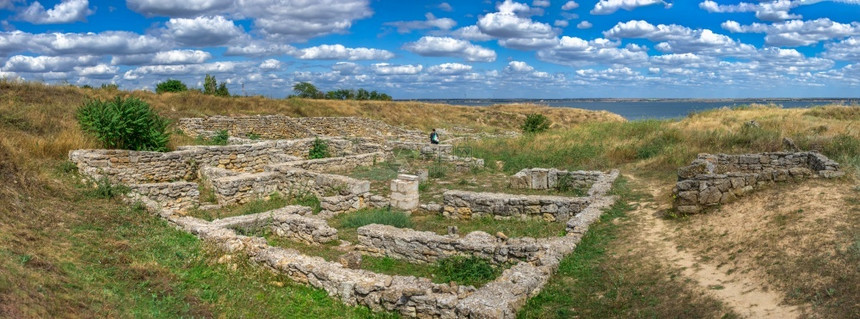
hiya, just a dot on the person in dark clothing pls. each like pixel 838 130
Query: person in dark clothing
pixel 434 138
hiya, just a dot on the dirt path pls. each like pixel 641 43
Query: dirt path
pixel 739 292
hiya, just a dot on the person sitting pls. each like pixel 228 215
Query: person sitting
pixel 434 138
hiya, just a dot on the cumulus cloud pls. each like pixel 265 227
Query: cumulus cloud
pixel 604 7
pixel 390 69
pixel 259 49
pixel 163 58
pixel 449 69
pixel 514 30
pixel 339 52
pixel 64 12
pixel 578 52
pixel 845 50
pixel 450 47
pixel 301 20
pixel 203 31
pixel 797 32
pixel 8 4
pixel 518 67
pixel 570 5
pixel 183 8
pixel 561 23
pixel 680 39
pixel 100 71
pixel 584 25
pixel 471 33
pixel 768 11
pixel 270 64
pixel 431 22
pixel 540 3
pixel 105 43
pixel 444 6
pixel 185 69
pixel 345 68
pixel 41 64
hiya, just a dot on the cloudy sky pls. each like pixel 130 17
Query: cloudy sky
pixel 451 49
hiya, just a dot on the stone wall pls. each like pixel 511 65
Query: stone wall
pixel 427 247
pixel 247 187
pixel 133 167
pixel 288 222
pixel 285 127
pixel 712 180
pixel 551 178
pixel 179 196
pixel 342 163
pixel 465 205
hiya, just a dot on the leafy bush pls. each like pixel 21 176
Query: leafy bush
pixel 319 149
pixel 377 216
pixel 170 86
pixel 105 189
pixel 465 270
pixel 124 124
pixel 220 138
pixel 535 123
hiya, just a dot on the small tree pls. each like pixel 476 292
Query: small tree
pixel 209 85
pixel 171 86
pixel 535 123
pixel 124 124
pixel 222 90
pixel 306 90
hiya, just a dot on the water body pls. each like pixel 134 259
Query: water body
pixel 638 109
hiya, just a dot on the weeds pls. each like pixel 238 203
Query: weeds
pixel 319 149
pixel 377 216
pixel 107 190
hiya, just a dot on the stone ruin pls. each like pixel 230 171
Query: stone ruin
pixel 712 180
pixel 167 185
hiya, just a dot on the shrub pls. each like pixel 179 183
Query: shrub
pixel 535 123
pixel 220 138
pixel 124 124
pixel 253 136
pixel 465 270
pixel 319 149
pixel 170 86
pixel 377 216
pixel 107 190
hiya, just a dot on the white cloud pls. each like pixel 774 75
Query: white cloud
pixel 610 6
pixel 185 69
pixel 339 52
pixel 431 22
pixel 8 4
pixel 519 67
pixel 105 43
pixel 584 25
pixel 578 52
pixel 64 12
pixel 203 31
pixel 100 71
pixel 514 29
pixel 471 33
pixel 449 69
pixel 444 6
pixel 540 3
pixel 42 64
pixel 271 64
pixel 768 11
pixel 680 39
pixel 163 58
pixel 293 20
pixel 845 50
pixel 346 68
pixel 390 69
pixel 183 8
pixel 797 32
pixel 570 5
pixel 259 48
pixel 450 47
pixel 561 23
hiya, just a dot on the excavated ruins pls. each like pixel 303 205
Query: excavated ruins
pixel 167 185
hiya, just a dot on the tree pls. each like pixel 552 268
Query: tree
pixel 170 86
pixel 306 90
pixel 362 94
pixel 222 90
pixel 209 85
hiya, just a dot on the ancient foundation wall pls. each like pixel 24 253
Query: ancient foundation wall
pixel 551 178
pixel 342 163
pixel 712 180
pixel 285 127
pixel 465 205
pixel 179 196
pixel 247 187
pixel 289 222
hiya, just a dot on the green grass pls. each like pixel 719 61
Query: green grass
pixel 511 228
pixel 274 201
pixel 466 270
pixel 376 216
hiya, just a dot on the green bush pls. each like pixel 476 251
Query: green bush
pixel 319 149
pixel 170 86
pixel 220 138
pixel 465 270
pixel 105 189
pixel 535 123
pixel 124 124
pixel 377 216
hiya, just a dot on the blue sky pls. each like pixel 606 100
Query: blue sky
pixel 444 49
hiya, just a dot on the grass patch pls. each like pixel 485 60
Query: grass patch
pixel 274 201
pixel 512 228
pixel 376 216
pixel 466 270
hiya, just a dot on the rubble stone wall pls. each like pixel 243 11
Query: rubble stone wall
pixel 289 222
pixel 247 187
pixel 285 127
pixel 712 180
pixel 551 178
pixel 180 196
pixel 465 205
pixel 342 163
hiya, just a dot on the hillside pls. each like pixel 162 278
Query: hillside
pixel 68 251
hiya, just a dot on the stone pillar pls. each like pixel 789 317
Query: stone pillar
pixel 404 192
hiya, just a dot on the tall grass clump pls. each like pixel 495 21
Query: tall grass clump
pixel 377 216
pixel 124 123
pixel 465 270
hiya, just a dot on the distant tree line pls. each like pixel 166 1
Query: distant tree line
pixel 210 86
pixel 309 91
